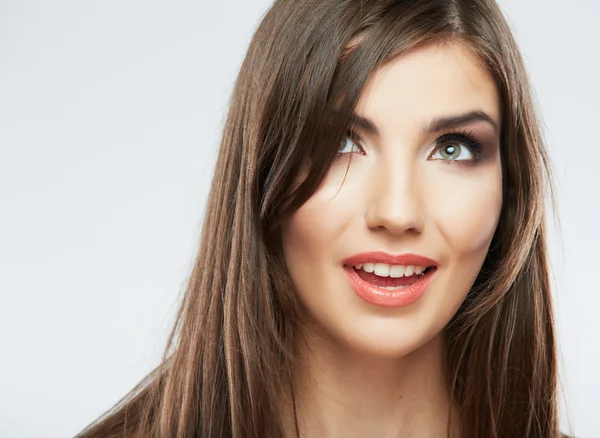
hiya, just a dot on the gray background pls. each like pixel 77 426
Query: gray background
pixel 110 116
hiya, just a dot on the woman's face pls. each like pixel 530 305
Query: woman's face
pixel 413 177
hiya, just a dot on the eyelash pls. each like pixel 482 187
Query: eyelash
pixel 462 137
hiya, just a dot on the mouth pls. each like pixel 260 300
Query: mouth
pixel 389 286
pixel 391 277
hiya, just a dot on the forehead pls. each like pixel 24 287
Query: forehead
pixel 433 80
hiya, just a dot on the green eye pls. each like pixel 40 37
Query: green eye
pixel 458 148
pixel 453 151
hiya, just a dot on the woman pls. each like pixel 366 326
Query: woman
pixel 373 259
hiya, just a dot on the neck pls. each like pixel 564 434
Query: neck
pixel 341 393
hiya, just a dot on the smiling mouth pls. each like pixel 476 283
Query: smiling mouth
pixel 389 282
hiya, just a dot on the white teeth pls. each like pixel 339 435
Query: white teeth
pixel 397 271
pixel 368 267
pixel 394 271
pixel 382 270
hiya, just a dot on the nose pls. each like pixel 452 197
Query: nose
pixel 396 203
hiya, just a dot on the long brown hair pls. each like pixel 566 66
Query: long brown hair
pixel 230 352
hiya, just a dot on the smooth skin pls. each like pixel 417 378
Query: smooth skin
pixel 368 370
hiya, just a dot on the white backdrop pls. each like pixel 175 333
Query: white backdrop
pixel 110 116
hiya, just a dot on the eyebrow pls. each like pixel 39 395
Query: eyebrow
pixel 436 125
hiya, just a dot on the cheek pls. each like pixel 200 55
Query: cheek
pixel 311 232
pixel 465 219
pixel 300 239
pixel 306 239
pixel 467 215
pixel 313 239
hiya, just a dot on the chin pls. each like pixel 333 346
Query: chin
pixel 382 337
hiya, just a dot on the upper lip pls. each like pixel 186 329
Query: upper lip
pixel 389 259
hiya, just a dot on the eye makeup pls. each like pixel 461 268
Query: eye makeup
pixel 352 143
pixel 461 138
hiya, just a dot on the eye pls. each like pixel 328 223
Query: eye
pixel 458 147
pixel 350 144
pixel 453 151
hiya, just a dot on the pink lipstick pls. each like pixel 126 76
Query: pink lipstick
pixel 400 291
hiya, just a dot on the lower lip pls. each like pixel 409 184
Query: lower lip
pixel 388 298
